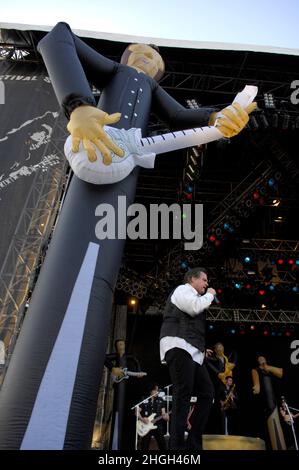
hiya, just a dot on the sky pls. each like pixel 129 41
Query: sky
pixel 258 22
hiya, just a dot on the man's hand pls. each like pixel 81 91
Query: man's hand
pixel 230 122
pixel 209 352
pixel 165 416
pixel 256 389
pixel 86 125
pixel 212 291
pixel 117 372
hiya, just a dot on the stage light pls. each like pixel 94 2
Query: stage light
pixel 275 120
pixel 252 327
pixel 184 264
pixel 295 289
pixel 237 285
pixel 232 331
pixel 226 226
pixel 271 287
pixel 261 292
pixel 263 306
pixel 211 327
pixel 256 195
pixel 276 202
pixel 248 286
pixel 266 332
pixel 212 238
pixel 247 259
pixel 219 291
pixel 264 121
pixel 269 101
pixel 271 182
pixel 253 123
pixel 285 121
pixel 290 261
pixel 189 196
pixel 189 189
pixel 132 301
pixel 280 261
pixel 242 330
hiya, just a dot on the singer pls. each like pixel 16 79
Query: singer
pixel 182 347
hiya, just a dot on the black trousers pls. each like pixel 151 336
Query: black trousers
pixel 158 435
pixel 189 379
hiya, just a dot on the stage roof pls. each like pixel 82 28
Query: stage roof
pixel 159 41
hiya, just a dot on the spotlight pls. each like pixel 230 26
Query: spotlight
pixel 280 261
pixel 232 331
pixel 295 289
pixel 212 238
pixel 276 202
pixel 271 182
pixel 252 327
pixel 269 101
pixel 290 261
pixel 263 306
pixel 271 287
pixel 256 195
pixel 237 285
pixel 261 292
pixel 189 188
pixel 266 332
pixel 184 265
pixel 248 286
pixel 211 327
pixel 247 259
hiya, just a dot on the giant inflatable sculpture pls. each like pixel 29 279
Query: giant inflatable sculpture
pixel 49 396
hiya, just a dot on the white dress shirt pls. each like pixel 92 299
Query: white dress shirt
pixel 187 299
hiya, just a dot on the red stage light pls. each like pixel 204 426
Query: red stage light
pixel 252 327
pixel 280 261
pixel 266 333
pixel 261 292
pixel 256 195
pixel 212 238
pixel 248 286
pixel 291 261
pixel 219 291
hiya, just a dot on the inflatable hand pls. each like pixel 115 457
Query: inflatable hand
pixel 86 125
pixel 232 120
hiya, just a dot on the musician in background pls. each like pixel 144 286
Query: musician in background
pixel 220 366
pixel 262 380
pixel 116 363
pixel 228 403
pixel 154 405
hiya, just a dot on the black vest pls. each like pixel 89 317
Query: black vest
pixel 182 325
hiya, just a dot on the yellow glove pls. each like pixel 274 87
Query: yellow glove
pixel 232 122
pixel 86 125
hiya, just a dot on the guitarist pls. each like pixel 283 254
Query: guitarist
pixel 156 405
pixel 221 366
pixel 228 402
pixel 116 362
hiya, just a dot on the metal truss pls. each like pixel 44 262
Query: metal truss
pixel 252 315
pixel 30 240
pixel 281 246
pixel 236 315
pixel 226 80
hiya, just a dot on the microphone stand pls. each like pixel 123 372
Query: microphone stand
pixel 291 422
pixel 167 408
pixel 136 414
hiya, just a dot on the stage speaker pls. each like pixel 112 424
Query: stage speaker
pixel 222 442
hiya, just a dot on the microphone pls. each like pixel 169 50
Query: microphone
pixel 216 300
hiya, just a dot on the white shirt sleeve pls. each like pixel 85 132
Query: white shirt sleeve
pixel 187 299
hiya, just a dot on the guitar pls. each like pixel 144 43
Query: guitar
pixel 228 367
pixel 144 428
pixel 127 374
pixel 228 400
